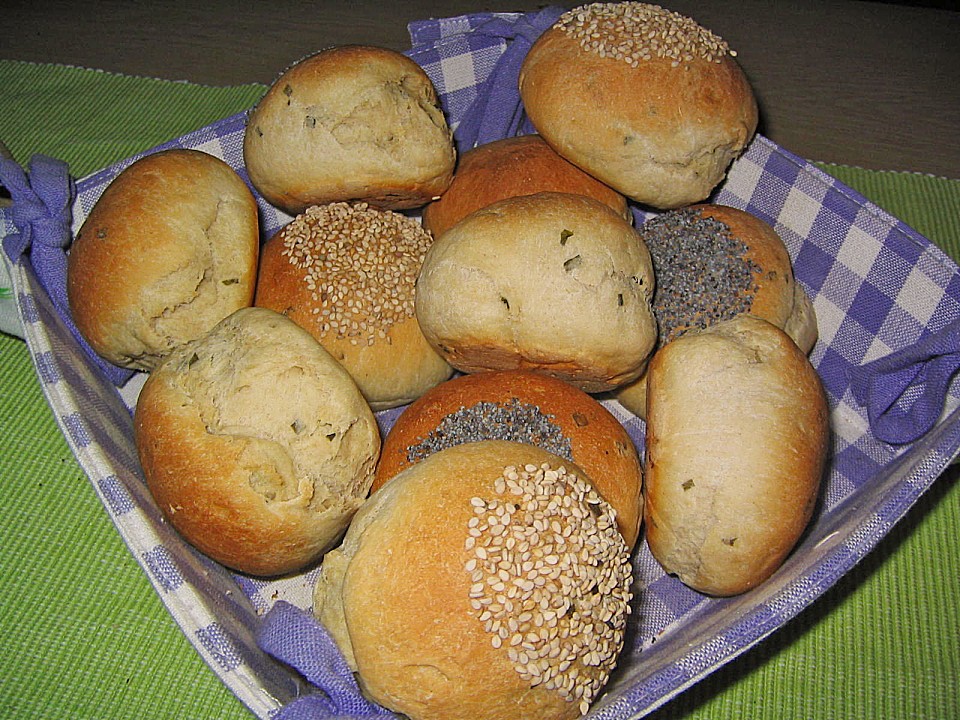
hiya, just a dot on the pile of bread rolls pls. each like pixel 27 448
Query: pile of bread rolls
pixel 476 559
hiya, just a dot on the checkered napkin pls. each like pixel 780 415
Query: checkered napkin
pixel 879 289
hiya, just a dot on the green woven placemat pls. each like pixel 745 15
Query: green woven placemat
pixel 85 635
pixel 926 203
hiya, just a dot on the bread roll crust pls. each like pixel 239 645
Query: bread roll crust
pixel 169 249
pixel 598 443
pixel 522 165
pixel 375 270
pixel 737 438
pixel 255 444
pixel 773 295
pixel 552 282
pixel 396 595
pixel 348 123
pixel 661 132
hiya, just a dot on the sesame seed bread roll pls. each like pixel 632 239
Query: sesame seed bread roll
pixel 256 444
pixel 346 274
pixel 415 595
pixel 552 282
pixel 644 99
pixel 522 165
pixel 169 249
pixel 351 122
pixel 712 263
pixel 522 406
pixel 737 436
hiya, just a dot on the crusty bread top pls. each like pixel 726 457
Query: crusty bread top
pixel 521 165
pixel 553 282
pixel 348 123
pixel 169 249
pixel 723 261
pixel 522 406
pixel 737 435
pixel 660 128
pixel 256 444
pixel 407 599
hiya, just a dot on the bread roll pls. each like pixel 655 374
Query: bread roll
pixel 713 262
pixel 644 99
pixel 256 444
pixel 351 122
pixel 522 406
pixel 552 282
pixel 168 250
pixel 415 597
pixel 522 165
pixel 737 436
pixel 346 274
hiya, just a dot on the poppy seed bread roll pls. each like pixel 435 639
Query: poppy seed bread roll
pixel 350 123
pixel 522 165
pixel 522 406
pixel 169 250
pixel 642 98
pixel 712 263
pixel 552 282
pixel 736 443
pixel 256 444
pixel 415 596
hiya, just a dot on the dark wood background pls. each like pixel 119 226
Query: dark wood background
pixel 873 84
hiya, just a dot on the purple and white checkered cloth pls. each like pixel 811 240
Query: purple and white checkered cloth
pixel 880 290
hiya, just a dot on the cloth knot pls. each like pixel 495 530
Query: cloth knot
pixel 294 637
pixel 42 203
pixel 42 214
pixel 904 392
pixel 497 111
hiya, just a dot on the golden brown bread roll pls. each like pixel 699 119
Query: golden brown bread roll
pixel 552 282
pixel 346 274
pixel 522 406
pixel 737 435
pixel 352 122
pixel 168 250
pixel 522 165
pixel 713 262
pixel 256 444
pixel 486 581
pixel 644 99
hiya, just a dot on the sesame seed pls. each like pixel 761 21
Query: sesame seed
pixel 567 599
pixel 369 256
pixel 634 32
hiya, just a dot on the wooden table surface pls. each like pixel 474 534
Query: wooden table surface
pixel 871 84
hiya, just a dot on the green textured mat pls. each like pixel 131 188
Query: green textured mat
pixel 85 636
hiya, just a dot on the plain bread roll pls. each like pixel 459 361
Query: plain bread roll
pixel 351 122
pixel 737 438
pixel 552 282
pixel 522 165
pixel 169 250
pixel 256 444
